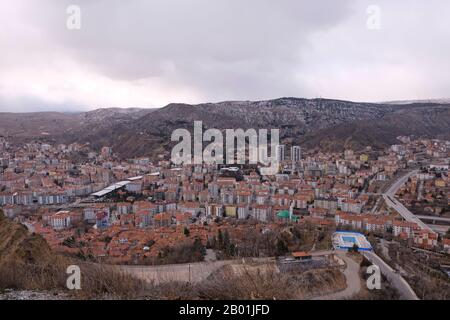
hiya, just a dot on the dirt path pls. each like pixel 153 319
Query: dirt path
pixel 187 272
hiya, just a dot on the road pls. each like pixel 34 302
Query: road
pixel 196 272
pixel 439 229
pixel 433 218
pixel 187 272
pixel 405 291
pixel 190 272
pixel 399 207
pixel 351 273
pixel 400 182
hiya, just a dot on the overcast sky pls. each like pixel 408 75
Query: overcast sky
pixel 148 53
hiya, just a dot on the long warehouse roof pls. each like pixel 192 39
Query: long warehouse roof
pixel 110 189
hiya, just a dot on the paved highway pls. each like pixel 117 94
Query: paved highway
pixel 396 279
pixel 405 291
pixel 400 182
pixel 433 218
pixel 399 207
pixel 439 229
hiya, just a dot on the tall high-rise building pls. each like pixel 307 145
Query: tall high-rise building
pixel 296 153
pixel 281 152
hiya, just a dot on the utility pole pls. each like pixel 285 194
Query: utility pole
pixel 189 273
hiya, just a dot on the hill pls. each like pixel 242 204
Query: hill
pixel 420 120
pixel 318 123
pixel 28 263
pixel 326 124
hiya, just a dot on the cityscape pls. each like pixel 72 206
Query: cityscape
pixel 146 216
pixel 224 158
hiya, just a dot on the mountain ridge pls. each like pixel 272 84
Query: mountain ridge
pixel 324 123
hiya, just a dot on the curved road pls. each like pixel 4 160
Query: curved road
pixel 184 272
pixel 406 292
pixel 399 207
pixel 196 272
pixel 352 278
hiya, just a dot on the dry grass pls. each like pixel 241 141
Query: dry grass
pixel 251 283
pixel 97 281
pixel 27 263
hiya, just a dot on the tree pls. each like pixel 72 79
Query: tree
pixel 230 249
pixel 355 248
pixel 69 242
pixel 219 239
pixel 186 231
pixel 198 250
pixel 226 239
pixel 281 247
pixel 106 239
pixel 447 235
pixel 211 243
pixel 223 242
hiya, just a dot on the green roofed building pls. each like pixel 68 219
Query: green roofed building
pixel 284 214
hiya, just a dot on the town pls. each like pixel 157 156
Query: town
pixel 96 206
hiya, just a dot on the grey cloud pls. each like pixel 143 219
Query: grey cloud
pixel 233 49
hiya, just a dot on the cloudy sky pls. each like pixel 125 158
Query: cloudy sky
pixel 148 53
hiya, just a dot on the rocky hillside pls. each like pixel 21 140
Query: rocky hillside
pixel 28 263
pixel 328 124
pixel 418 120
pixel 26 260
pixel 51 125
